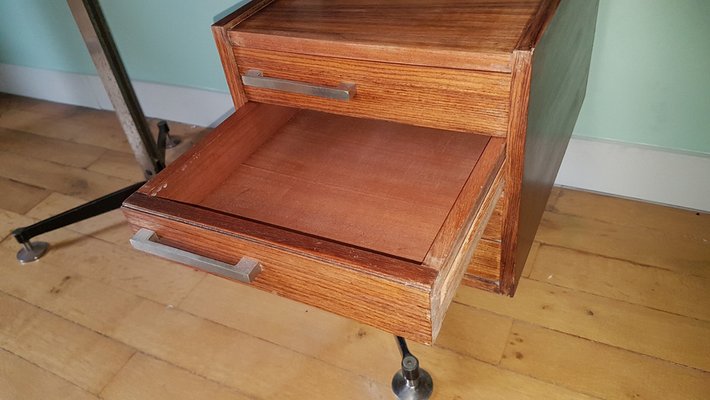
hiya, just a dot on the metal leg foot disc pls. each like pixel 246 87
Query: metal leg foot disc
pixel 419 389
pixel 172 142
pixel 31 253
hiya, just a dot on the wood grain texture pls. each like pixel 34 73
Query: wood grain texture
pixel 426 80
pixel 220 31
pixel 147 378
pixel 79 355
pixel 486 261
pixel 424 96
pixel 233 359
pixel 67 129
pixel 638 267
pixel 221 152
pixel 640 234
pixel 484 270
pixel 214 342
pixel 460 218
pixel 464 356
pixel 494 227
pixel 118 265
pixel 337 340
pixel 520 88
pixel 549 84
pixel 583 365
pixel 71 181
pixel 676 338
pixel 20 379
pixel 623 280
pixel 359 285
pixel 376 185
pixel 118 164
pixel 10 220
pixel 537 25
pixel 458 34
pixel 329 201
pixel 43 148
pixel 19 197
pixel 454 268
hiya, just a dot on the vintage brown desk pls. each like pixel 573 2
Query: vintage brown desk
pixel 381 153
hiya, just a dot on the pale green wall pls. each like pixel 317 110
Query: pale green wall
pixel 41 34
pixel 649 82
pixel 164 41
pixel 650 77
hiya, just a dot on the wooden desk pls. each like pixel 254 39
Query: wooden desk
pixel 380 154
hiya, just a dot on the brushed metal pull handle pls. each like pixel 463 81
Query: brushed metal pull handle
pixel 245 270
pixel 255 78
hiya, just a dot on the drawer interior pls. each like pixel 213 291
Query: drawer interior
pixel 371 184
pixel 370 219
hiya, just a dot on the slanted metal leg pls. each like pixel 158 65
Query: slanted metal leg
pixel 411 382
pixel 32 251
pixel 149 153
pixel 103 51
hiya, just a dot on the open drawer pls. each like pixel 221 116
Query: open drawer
pixel 369 219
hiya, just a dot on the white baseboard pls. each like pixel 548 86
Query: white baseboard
pixel 628 170
pixel 641 172
pixel 175 103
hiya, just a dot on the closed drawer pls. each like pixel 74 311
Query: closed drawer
pixel 418 95
pixel 372 220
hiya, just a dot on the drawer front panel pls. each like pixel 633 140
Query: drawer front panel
pixel 459 100
pixel 396 307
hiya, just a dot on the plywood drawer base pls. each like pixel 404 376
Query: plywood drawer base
pixel 368 219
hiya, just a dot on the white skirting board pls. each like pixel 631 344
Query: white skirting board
pixel 681 179
pixel 175 103
pixel 628 170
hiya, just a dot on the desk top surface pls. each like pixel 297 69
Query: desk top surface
pixel 474 27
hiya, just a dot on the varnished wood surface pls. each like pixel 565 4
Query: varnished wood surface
pixel 304 171
pixel 455 265
pixel 310 277
pixel 471 34
pixel 220 31
pixel 362 182
pixel 485 264
pixel 324 201
pixel 454 229
pixel 415 95
pixel 547 93
pixel 394 52
pixel 221 152
pixel 484 269
pixel 606 269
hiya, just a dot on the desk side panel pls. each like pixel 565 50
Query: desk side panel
pixel 549 82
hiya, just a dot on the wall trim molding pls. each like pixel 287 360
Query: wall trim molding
pixel 656 175
pixel 635 171
pixel 176 103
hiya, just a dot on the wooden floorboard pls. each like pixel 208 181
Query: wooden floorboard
pixel 77 354
pixel 20 197
pixel 613 304
pixel 147 378
pixel 20 379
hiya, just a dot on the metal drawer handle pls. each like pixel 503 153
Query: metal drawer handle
pixel 245 270
pixel 255 78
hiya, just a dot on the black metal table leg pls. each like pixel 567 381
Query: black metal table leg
pixel 411 382
pixel 32 251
